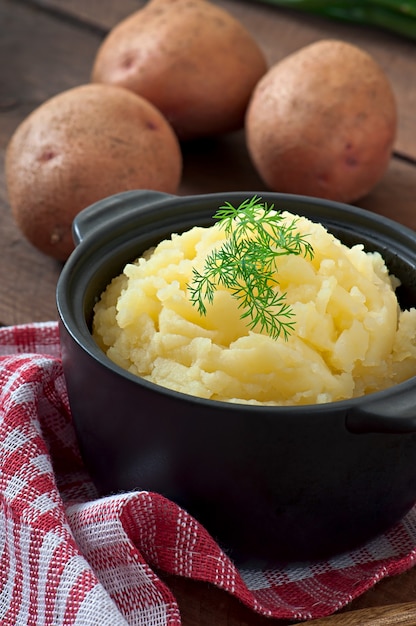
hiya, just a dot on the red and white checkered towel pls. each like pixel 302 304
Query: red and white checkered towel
pixel 68 557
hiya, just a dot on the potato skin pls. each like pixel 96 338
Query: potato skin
pixel 322 122
pixel 80 146
pixel 193 60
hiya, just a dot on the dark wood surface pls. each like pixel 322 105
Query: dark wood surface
pixel 47 46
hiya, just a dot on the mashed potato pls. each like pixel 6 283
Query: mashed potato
pixel 350 336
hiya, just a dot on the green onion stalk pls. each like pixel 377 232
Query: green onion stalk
pixel 394 15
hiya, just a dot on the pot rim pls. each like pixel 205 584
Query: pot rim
pixel 90 242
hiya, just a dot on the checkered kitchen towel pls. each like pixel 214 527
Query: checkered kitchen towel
pixel 69 557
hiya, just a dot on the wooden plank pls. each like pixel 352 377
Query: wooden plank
pixel 223 164
pixel 100 15
pixel 282 31
pixel 49 46
pixel 47 55
pixel 44 56
pixel 214 607
pixel 400 614
pixel 214 604
pixel 395 196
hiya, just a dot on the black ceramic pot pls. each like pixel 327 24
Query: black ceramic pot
pixel 274 483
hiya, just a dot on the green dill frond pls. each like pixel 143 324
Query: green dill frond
pixel 245 264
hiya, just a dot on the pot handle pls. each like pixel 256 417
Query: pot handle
pixel 392 412
pixel 113 207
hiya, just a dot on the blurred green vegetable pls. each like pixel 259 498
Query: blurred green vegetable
pixel 395 15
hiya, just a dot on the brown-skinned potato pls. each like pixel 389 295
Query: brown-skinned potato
pixel 322 122
pixel 193 60
pixel 82 145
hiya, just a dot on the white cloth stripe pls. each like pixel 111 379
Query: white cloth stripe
pixel 8 577
pixel 109 615
pixel 72 569
pixel 14 486
pixel 51 541
pixel 24 543
pixel 14 440
pixel 124 576
pixel 155 615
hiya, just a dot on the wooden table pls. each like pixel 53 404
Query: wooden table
pixel 47 46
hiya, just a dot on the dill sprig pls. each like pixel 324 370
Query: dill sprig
pixel 245 264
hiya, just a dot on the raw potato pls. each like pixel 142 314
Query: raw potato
pixel 191 59
pixel 322 122
pixel 82 145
